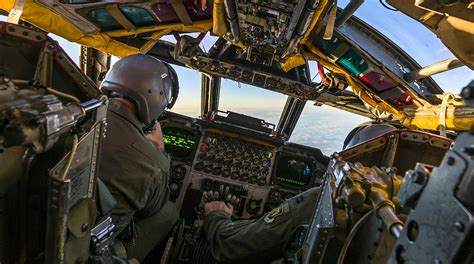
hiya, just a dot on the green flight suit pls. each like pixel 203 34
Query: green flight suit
pixel 260 240
pixel 136 174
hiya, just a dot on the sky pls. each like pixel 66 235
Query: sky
pixel 321 127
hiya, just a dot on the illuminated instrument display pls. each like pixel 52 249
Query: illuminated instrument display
pixel 178 142
pixel 293 171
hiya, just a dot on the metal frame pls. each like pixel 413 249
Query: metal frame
pixel 210 94
pixel 293 107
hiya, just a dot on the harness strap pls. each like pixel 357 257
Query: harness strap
pixel 15 13
pixel 442 114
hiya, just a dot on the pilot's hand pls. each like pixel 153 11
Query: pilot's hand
pixel 218 206
pixel 222 194
pixel 156 136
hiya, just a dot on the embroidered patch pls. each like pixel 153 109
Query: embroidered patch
pixel 276 213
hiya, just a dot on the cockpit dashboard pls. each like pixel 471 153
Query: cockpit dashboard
pixel 260 170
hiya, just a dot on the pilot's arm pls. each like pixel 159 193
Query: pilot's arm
pixel 259 240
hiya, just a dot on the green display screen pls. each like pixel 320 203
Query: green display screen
pixel 293 171
pixel 179 143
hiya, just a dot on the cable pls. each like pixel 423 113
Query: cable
pixel 72 154
pixel 349 216
pixel 347 243
pixel 61 94
pixel 387 6
pixel 324 79
pixel 51 90
pixel 20 81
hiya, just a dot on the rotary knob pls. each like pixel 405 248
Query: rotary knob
pixel 210 157
pixel 234 175
pixel 216 170
pixel 219 159
pixel 201 156
pixel 257 161
pixel 208 168
pixel 253 179
pixel 253 206
pixel 178 173
pixel 225 173
pixel 266 163
pixel 199 166
pixel 174 187
pixel 275 197
pixel 244 177
pixel 261 181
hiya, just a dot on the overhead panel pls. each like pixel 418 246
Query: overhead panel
pixel 355 63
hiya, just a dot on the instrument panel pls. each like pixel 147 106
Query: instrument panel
pixel 259 170
pixel 228 156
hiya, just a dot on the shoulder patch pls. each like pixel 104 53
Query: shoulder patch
pixel 276 213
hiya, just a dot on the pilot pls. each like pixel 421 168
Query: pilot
pixel 134 165
pixel 263 240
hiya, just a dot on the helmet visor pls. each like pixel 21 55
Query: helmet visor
pixel 172 90
pixel 167 90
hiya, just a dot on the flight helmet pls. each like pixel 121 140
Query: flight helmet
pixel 145 80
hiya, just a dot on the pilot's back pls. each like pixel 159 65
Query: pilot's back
pixel 133 169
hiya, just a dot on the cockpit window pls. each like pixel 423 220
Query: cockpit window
pixel 138 16
pixel 235 97
pixel 324 127
pixel 102 18
pixel 189 98
pixel 250 100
